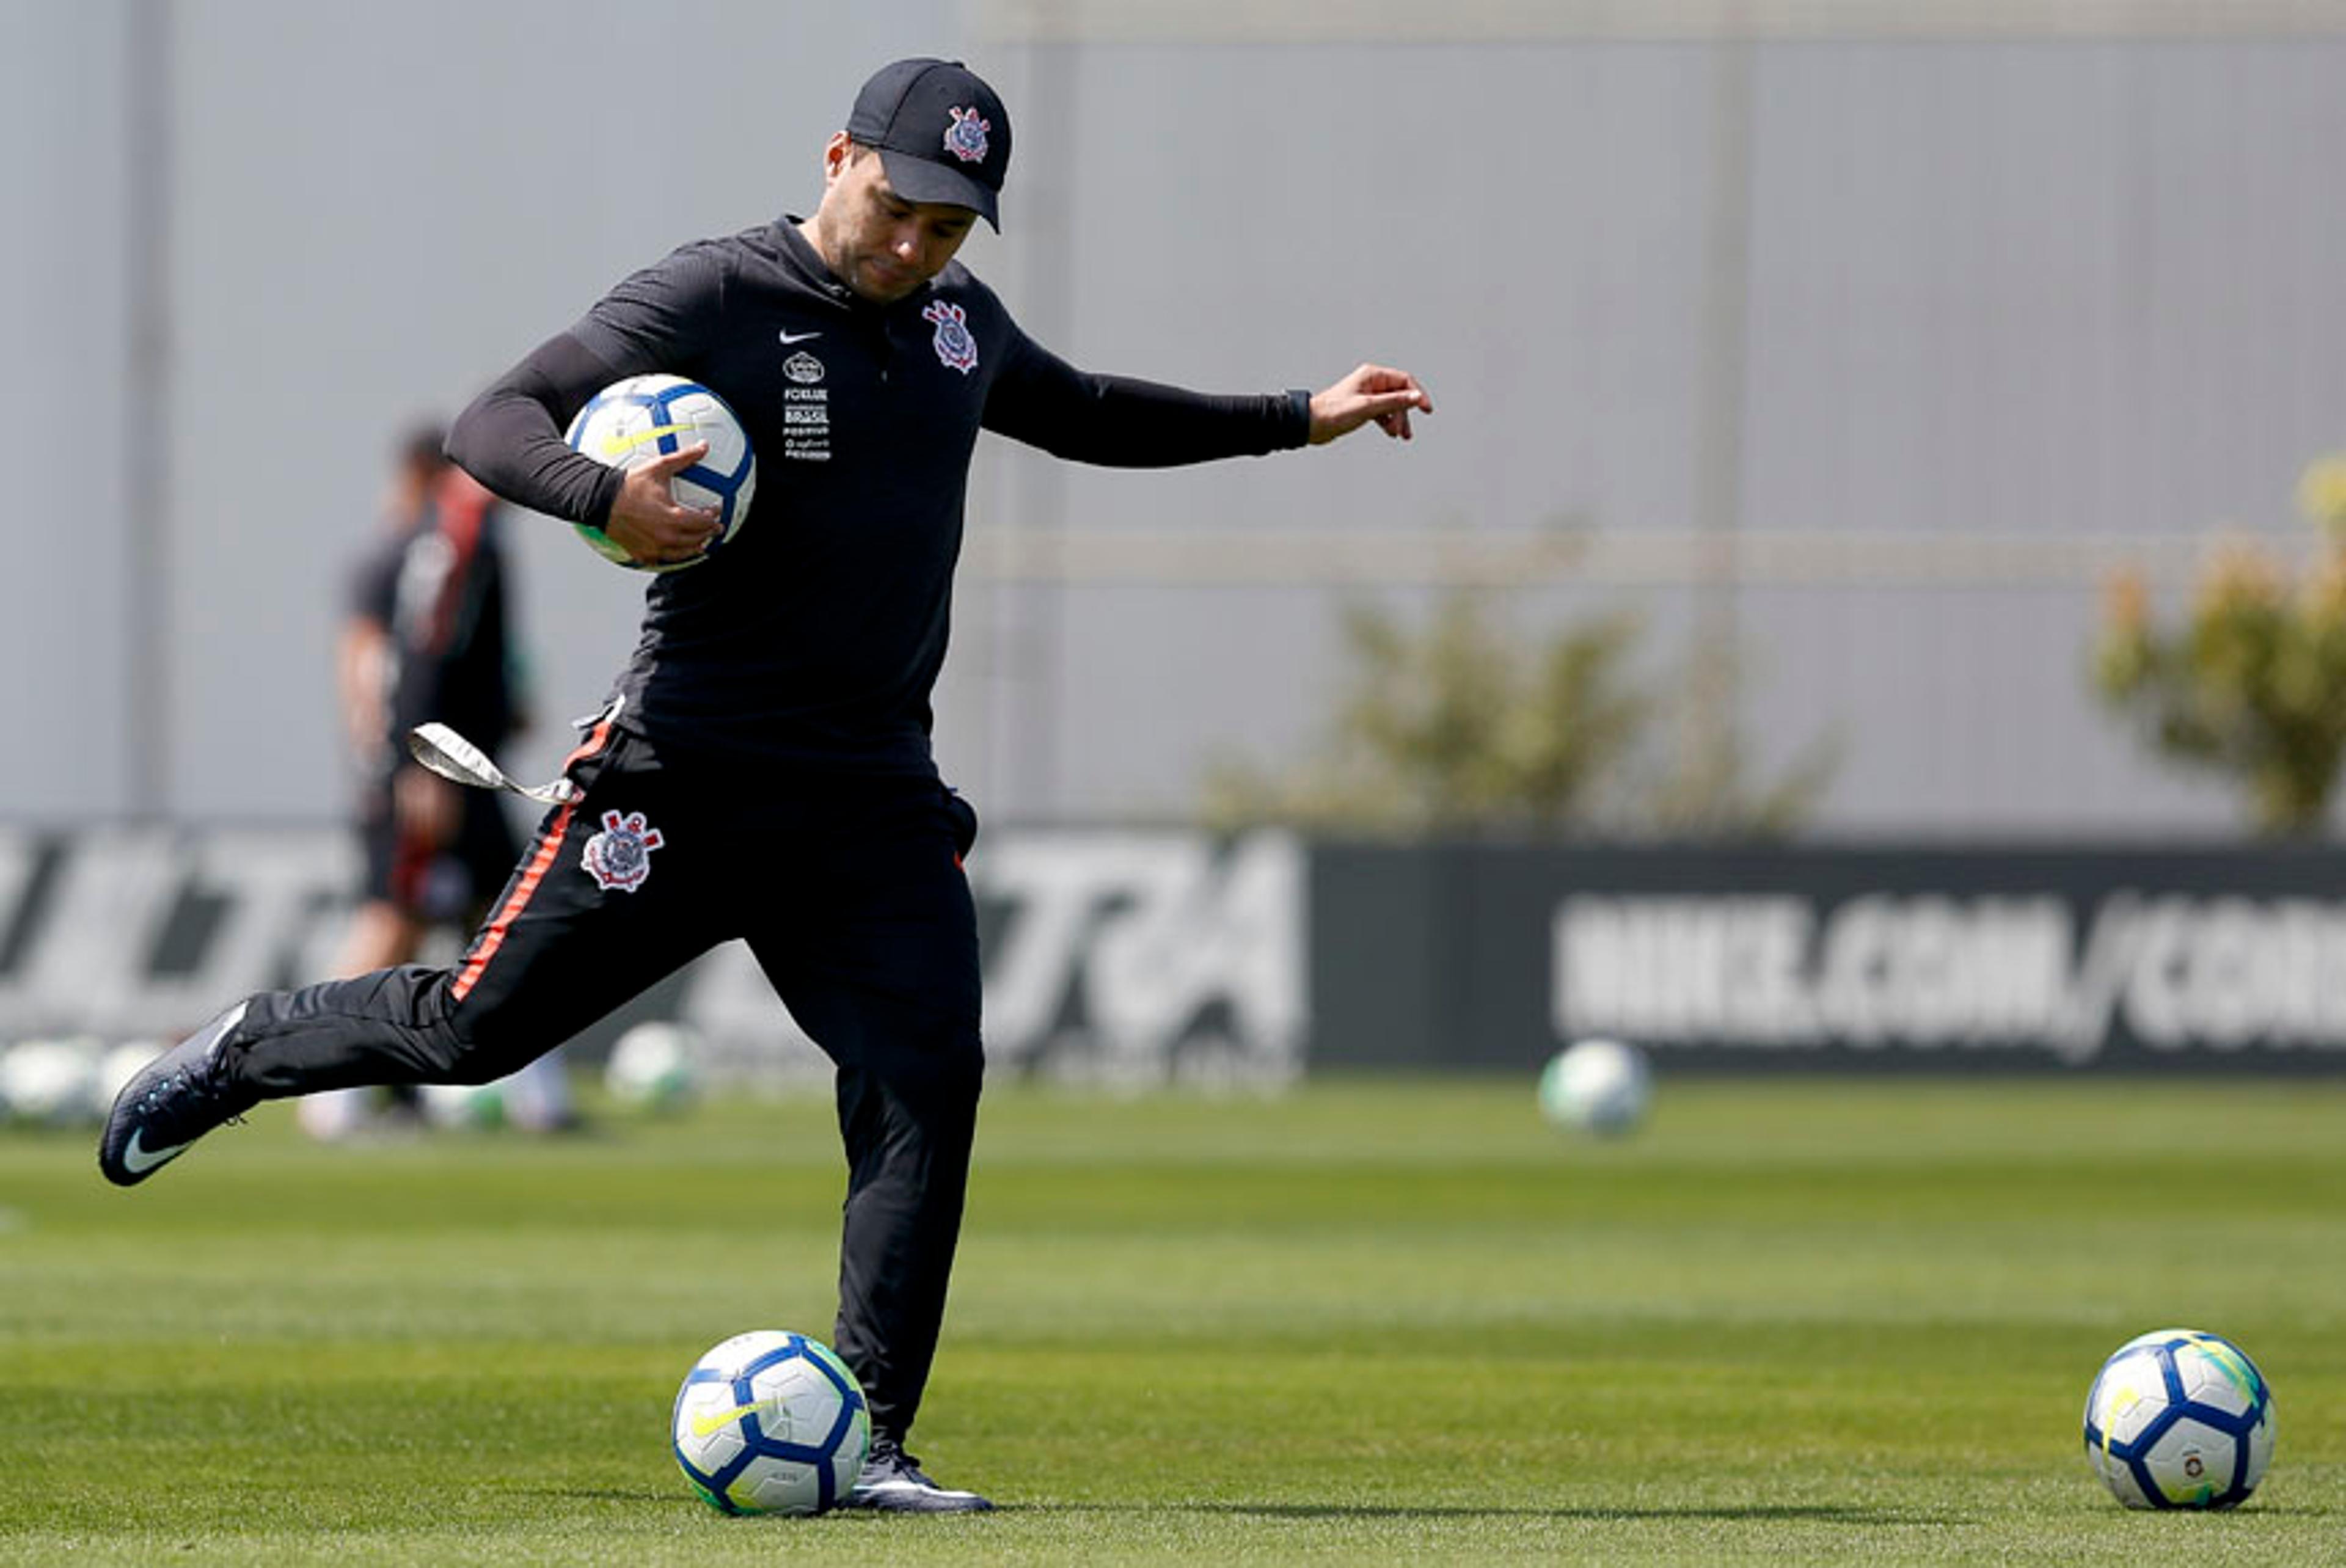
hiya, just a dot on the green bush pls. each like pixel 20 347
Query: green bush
pixel 2249 683
pixel 1465 727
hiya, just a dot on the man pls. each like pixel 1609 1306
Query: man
pixel 427 636
pixel 426 639
pixel 763 768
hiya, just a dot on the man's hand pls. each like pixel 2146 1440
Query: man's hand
pixel 1371 392
pixel 647 523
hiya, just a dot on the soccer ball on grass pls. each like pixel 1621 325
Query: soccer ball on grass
pixel 52 1083
pixel 771 1422
pixel 632 421
pixel 1597 1087
pixel 2180 1419
pixel 655 1066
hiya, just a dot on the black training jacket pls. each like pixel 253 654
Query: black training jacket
pixel 817 633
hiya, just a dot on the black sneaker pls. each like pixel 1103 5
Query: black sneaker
pixel 893 1482
pixel 174 1100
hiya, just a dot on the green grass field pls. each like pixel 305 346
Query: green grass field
pixel 1792 1322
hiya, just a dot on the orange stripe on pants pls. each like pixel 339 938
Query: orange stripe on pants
pixel 493 935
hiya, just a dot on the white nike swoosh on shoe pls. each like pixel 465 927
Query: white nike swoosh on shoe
pixel 138 1161
pixel 789 338
pixel 871 1487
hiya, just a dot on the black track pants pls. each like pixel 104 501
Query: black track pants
pixel 851 895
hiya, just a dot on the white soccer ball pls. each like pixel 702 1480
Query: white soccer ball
pixel 632 421
pixel 2180 1419
pixel 463 1107
pixel 655 1066
pixel 53 1081
pixel 1597 1087
pixel 771 1422
pixel 533 1098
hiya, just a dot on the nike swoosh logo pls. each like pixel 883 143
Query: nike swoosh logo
pixel 138 1161
pixel 704 1425
pixel 614 445
pixel 789 338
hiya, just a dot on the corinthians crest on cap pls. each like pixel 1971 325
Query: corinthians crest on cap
pixel 942 134
pixel 621 856
pixel 966 138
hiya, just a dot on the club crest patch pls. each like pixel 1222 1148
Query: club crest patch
pixel 954 345
pixel 621 856
pixel 966 138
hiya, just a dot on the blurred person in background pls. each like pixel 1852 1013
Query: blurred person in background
pixel 763 770
pixel 427 634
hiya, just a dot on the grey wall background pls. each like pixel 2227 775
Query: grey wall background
pixel 1934 316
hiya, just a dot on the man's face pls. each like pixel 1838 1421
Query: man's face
pixel 879 244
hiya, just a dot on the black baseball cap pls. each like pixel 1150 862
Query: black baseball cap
pixel 942 133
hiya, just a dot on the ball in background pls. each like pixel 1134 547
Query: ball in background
pixel 463 1107
pixel 1597 1087
pixel 49 1083
pixel 634 421
pixel 2180 1419
pixel 771 1422
pixel 533 1098
pixel 655 1066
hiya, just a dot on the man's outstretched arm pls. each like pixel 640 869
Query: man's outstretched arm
pixel 1124 423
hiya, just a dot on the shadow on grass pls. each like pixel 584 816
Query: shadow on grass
pixel 1818 1513
pixel 1755 1512
pixel 1758 1512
